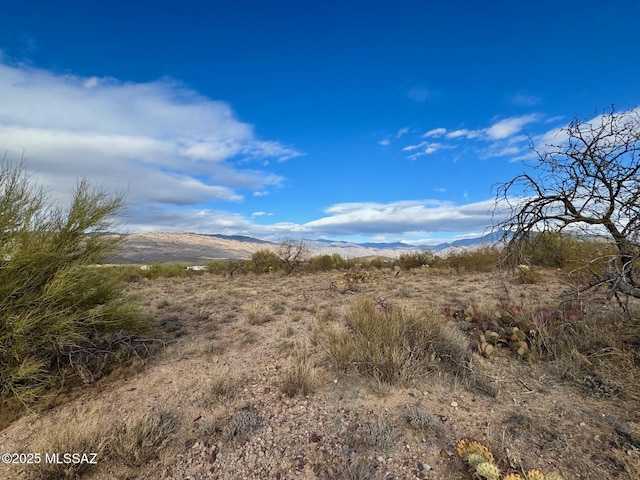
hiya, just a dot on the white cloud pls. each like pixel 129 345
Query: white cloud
pixel 502 138
pixel 436 132
pixel 403 131
pixel 384 143
pixel 410 148
pixel 159 141
pixel 510 126
pixel 402 218
pixel 392 221
pixel 426 148
pixel 469 134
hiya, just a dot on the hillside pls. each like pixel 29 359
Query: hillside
pixel 148 247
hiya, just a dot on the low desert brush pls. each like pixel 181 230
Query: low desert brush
pixel 394 344
pixel 138 442
pixel 299 375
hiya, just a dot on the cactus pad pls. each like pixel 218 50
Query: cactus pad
pixel 535 475
pixel 488 471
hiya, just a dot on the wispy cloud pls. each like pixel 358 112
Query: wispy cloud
pixel 510 126
pixel 502 138
pixel 524 99
pixel 426 148
pixel 464 133
pixel 436 132
pixel 160 141
pixel 419 94
pixel 403 131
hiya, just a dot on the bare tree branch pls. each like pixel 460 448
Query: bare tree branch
pixel 590 182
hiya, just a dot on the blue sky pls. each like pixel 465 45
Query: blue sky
pixel 366 121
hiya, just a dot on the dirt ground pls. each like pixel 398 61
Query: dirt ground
pixel 241 334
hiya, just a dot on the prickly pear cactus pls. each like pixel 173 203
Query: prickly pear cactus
pixel 488 471
pixel 482 465
pixel 535 475
pixel 467 447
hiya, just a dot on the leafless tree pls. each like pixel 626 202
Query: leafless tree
pixel 293 253
pixel 589 181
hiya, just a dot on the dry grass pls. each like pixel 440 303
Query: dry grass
pixel 394 344
pixel 132 444
pixel 300 375
pixel 73 437
pixel 256 314
pixel 221 386
pixel 138 442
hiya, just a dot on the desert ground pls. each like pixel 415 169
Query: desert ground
pixel 242 382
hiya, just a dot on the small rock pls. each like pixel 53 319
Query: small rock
pixel 445 454
pixel 454 404
pixel 314 438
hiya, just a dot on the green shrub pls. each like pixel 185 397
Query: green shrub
pixel 56 306
pixel 264 261
pixel 546 249
pixel 407 261
pixel 164 270
pixel 325 263
pixel 482 259
pixel 228 267
pixel 216 267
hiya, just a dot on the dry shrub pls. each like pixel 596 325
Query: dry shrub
pixel 376 434
pixel 394 344
pixel 628 460
pixel 424 421
pixel 137 443
pixel 299 376
pixel 256 314
pixel 241 424
pixel 527 276
pixel 221 386
pixel 598 349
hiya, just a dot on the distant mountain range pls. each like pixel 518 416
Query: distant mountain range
pixel 194 248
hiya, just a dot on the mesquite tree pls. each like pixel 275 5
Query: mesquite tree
pixel 588 181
